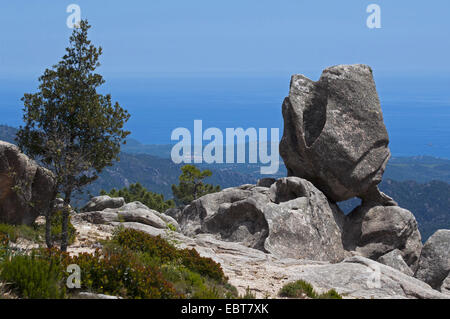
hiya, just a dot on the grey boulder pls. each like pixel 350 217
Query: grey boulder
pixel 291 219
pixel 303 224
pixel 395 260
pixel 334 134
pixel 434 264
pixel 25 187
pixel 365 278
pixel 102 202
pixel 374 231
pixel 134 212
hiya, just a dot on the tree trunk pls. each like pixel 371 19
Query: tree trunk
pixel 65 221
pixel 48 229
pixel 48 220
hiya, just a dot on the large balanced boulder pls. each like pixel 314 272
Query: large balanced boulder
pixel 334 134
pixel 25 187
pixel 434 264
pixel 290 219
pixel 374 231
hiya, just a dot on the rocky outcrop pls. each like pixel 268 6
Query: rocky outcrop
pixel 434 264
pixel 290 219
pixel 264 274
pixel 365 278
pixel 395 260
pixel 302 223
pixel 334 134
pixel 134 212
pixel 25 187
pixel 102 202
pixel 374 231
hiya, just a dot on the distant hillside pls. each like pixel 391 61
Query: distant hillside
pixel 157 175
pixel 418 168
pixel 421 169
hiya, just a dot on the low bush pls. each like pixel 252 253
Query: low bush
pixel 131 265
pixel 302 289
pixel 332 294
pixel 33 276
pixel 159 249
pixel 298 289
pixel 36 233
pixel 122 274
pixel 13 232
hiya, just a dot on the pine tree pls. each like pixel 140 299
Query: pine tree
pixel 69 127
pixel 191 185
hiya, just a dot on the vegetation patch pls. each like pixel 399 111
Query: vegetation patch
pixel 35 232
pixel 304 290
pixel 131 265
pixel 136 192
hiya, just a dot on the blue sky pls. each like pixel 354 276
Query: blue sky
pixel 163 37
pixel 229 62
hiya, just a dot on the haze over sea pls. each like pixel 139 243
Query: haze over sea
pixel 416 109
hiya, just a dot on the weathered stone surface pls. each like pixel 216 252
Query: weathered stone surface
pixel 334 134
pixel 200 210
pixel 291 219
pixel 102 202
pixel 445 287
pixel 374 231
pixel 304 224
pixel 434 264
pixel 265 273
pixel 135 212
pixel 395 260
pixel 25 187
pixel 365 278
pixel 266 182
pixel 174 212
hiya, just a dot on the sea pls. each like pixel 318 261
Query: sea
pixel 416 109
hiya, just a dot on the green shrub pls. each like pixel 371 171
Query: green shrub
pixel 132 265
pixel 122 274
pixel 303 289
pixel 136 192
pixel 4 240
pixel 13 232
pixel 33 277
pixel 298 289
pixel 36 233
pixel 160 249
pixel 332 294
